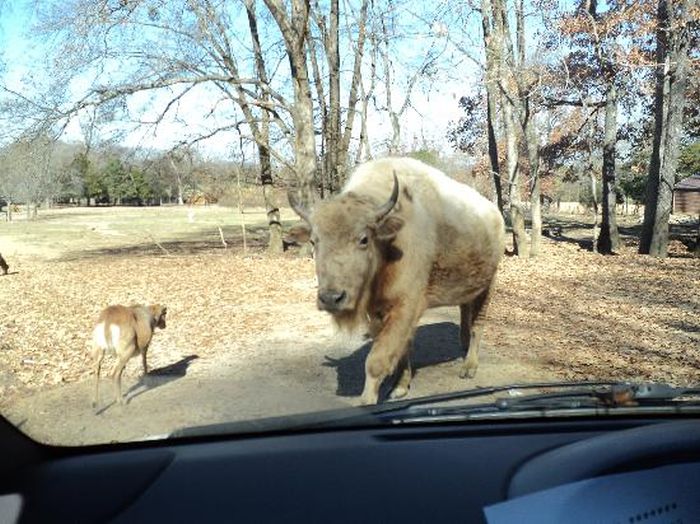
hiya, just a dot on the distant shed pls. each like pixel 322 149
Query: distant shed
pixel 686 196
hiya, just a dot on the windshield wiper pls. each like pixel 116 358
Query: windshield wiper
pixel 579 398
pixel 564 398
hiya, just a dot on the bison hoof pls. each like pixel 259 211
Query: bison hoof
pixel 399 392
pixel 466 372
pixel 366 401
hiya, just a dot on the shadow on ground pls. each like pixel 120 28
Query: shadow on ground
pixel 155 378
pixel 434 344
pixel 192 244
pixel 160 376
pixel 579 232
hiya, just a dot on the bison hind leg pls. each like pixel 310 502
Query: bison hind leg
pixel 471 329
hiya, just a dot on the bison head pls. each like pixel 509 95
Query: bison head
pixel 350 234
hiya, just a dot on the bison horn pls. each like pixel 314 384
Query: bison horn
pixel 297 207
pixel 386 208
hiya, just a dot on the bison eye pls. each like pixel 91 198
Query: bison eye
pixel 363 240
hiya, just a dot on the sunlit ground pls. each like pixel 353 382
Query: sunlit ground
pixel 244 339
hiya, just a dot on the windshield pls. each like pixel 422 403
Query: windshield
pixel 221 212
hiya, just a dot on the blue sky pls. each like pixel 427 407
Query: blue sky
pixel 15 17
pixel 435 102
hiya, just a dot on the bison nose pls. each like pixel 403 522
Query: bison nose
pixel 330 299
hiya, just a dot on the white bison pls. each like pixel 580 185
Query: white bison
pixel 399 238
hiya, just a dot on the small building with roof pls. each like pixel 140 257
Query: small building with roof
pixel 686 196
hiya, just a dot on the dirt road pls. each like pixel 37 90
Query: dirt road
pixel 295 375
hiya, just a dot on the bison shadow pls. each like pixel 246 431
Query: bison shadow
pixel 160 376
pixel 433 344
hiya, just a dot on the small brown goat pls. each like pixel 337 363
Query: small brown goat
pixel 124 331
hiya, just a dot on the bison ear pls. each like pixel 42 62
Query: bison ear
pixel 300 233
pixel 388 228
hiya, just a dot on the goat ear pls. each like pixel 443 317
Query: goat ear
pixel 388 228
pixel 301 233
pixel 164 310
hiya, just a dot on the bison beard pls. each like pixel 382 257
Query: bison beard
pixel 355 321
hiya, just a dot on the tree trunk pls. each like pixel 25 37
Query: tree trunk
pixel 536 217
pixel 364 150
pixel 517 216
pixel 533 155
pixel 395 144
pixel 510 108
pixel 9 210
pixel 609 239
pixel 491 96
pixel 274 222
pixel 671 79
pixel 353 96
pixel 295 33
pixel 493 149
pixel 323 173
pixel 333 128
pixel 180 199
pixel 594 192
pixel 529 133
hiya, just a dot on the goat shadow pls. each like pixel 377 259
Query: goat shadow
pixel 160 376
pixel 433 344
pixel 156 377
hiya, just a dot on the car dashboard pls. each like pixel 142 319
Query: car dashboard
pixel 426 473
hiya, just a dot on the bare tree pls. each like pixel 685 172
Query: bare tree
pixel 609 237
pixel 511 111
pixel 336 134
pixel 28 175
pixel 420 68
pixel 364 150
pixel 294 26
pixel 492 94
pixel 672 47
pixel 273 213
pixel 171 53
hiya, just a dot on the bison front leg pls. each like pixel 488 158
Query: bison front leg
pixel 471 330
pixel 404 381
pixel 389 350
